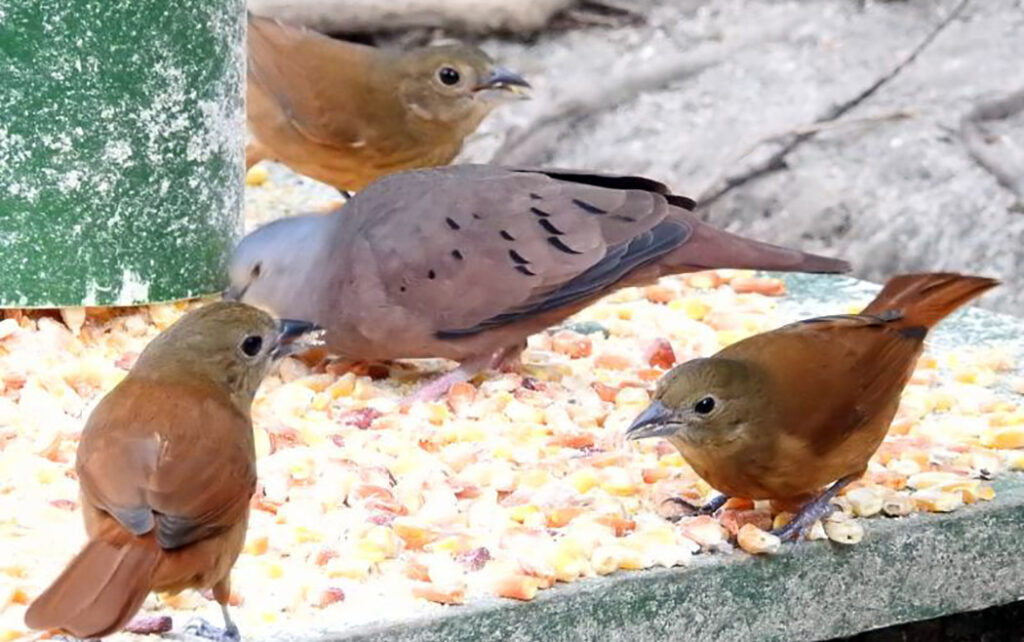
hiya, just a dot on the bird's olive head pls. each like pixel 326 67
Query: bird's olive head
pixel 226 343
pixel 702 401
pixel 454 84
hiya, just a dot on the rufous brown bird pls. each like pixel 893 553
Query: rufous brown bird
pixel 465 262
pixel 345 113
pixel 167 466
pixel 782 414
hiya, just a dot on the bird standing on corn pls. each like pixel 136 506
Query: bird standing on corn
pixel 167 467
pixel 782 414
pixel 345 113
pixel 465 262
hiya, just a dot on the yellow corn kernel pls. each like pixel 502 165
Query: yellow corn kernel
pixel 941 400
pixel 756 541
pixel 321 401
pixel 451 544
pixel 865 501
pixel 377 544
pixel 937 501
pixel 695 308
pixel 1005 437
pixel 781 520
pixel 437 413
pixel 268 617
pixel 274 570
pixel 343 387
pixel 729 337
pixel 534 478
pixel 583 479
pixel 257 175
pixel 256 546
pixel 350 567
pixel 617 481
pixel 929 479
pixel 673 459
pixel 569 561
pixel 632 396
pixel 262 439
pixel 521 512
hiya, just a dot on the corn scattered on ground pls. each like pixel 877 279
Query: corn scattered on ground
pixel 504 488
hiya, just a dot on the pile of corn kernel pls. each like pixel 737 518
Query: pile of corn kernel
pixel 503 488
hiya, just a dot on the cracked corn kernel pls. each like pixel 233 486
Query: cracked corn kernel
pixel 865 501
pixel 937 501
pixel 929 479
pixel 1006 437
pixel 843 529
pixel 705 530
pixel 257 175
pixel 898 505
pixel 583 480
pixel 756 541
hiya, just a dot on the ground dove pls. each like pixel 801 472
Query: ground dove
pixel 465 262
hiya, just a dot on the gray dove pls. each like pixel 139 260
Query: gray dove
pixel 465 262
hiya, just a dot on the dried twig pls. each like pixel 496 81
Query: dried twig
pixel 997 154
pixel 777 160
pixel 819 126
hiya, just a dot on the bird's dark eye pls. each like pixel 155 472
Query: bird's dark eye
pixel 252 344
pixel 448 76
pixel 704 406
pixel 256 270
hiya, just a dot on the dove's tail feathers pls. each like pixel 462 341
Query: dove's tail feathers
pixel 711 248
pixel 99 591
pixel 922 300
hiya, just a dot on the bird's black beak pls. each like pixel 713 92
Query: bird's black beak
pixel 504 80
pixel 234 293
pixel 296 336
pixel 655 421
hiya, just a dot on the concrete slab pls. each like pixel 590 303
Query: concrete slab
pixel 906 569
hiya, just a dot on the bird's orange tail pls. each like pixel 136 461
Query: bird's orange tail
pixel 925 299
pixel 99 591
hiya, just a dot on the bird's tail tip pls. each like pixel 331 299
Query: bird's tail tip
pixel 99 591
pixel 924 299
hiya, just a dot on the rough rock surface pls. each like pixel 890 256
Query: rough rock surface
pixel 889 193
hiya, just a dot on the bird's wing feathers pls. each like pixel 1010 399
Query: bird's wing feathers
pixel 311 77
pixel 484 246
pixel 169 458
pixel 855 362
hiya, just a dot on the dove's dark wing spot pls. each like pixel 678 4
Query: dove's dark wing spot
pixel 617 262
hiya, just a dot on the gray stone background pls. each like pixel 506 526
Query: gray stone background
pixel 701 91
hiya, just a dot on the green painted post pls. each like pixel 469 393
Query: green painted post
pixel 121 141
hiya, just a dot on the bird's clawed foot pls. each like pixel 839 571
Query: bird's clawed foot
pixel 200 628
pixel 818 508
pixel 469 368
pixel 709 508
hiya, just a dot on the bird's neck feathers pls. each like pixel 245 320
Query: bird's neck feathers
pixel 229 376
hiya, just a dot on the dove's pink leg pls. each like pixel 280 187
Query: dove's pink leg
pixel 504 358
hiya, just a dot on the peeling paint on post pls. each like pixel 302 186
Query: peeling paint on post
pixel 121 138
